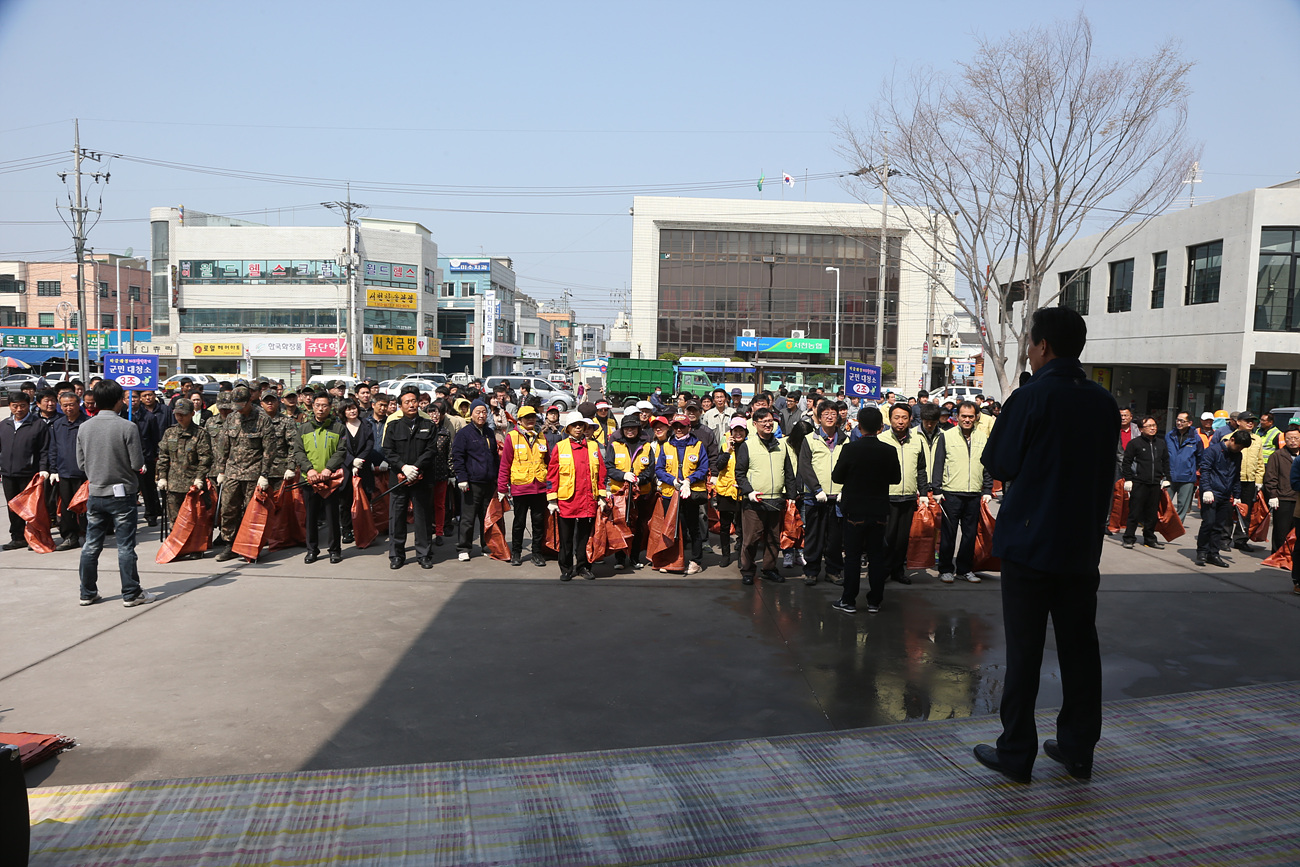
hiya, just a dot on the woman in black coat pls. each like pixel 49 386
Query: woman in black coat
pixel 358 444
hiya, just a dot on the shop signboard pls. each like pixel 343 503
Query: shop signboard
pixel 132 371
pixel 862 380
pixel 392 299
pixel 783 344
pixel 228 349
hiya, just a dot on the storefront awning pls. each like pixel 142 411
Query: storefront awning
pixel 35 356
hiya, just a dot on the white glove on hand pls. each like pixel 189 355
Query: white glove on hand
pixel 552 507
pixel 358 463
pixel 43 474
pixel 1164 484
pixel 54 477
pixel 263 483
pixel 938 498
pixel 1207 497
pixel 755 497
pixel 464 487
pixel 221 479
pixel 502 496
pixel 1128 487
pixel 289 474
pixel 198 484
pixel 630 478
pixel 986 498
pixel 410 471
pixel 1274 503
pixel 383 466
pixel 162 484
pixel 821 497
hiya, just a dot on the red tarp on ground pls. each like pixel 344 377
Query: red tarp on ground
pixel 34 749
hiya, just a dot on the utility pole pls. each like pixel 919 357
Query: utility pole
pixel 884 249
pixel 349 261
pixel 78 209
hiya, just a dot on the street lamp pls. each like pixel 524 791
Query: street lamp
pixel 837 312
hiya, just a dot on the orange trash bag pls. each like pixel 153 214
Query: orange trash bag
pixel 622 516
pixel 363 518
pixel 597 544
pixel 286 522
pixel 379 505
pixel 30 505
pixel 984 559
pixel 924 533
pixel 1260 518
pixel 665 549
pixel 1281 558
pixel 553 532
pixel 252 530
pixel 192 532
pixel 80 499
pixel 494 530
pixel 1118 508
pixel 791 526
pixel 1168 523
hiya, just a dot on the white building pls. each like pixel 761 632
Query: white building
pixel 705 271
pixel 240 297
pixel 1199 310
pixel 477 315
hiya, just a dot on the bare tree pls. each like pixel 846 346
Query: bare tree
pixel 1003 161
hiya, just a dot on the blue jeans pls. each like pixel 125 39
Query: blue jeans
pixel 101 512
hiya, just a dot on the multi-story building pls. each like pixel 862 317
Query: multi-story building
pixel 476 315
pixel 534 335
pixel 590 341
pixel 275 301
pixel 563 356
pixel 38 308
pixel 1196 310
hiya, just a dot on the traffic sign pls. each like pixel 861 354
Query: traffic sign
pixel 862 380
pixel 132 371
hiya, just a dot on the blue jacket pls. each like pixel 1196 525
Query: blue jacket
pixel 680 446
pixel 63 447
pixel 474 455
pixel 1056 442
pixel 1183 459
pixel 1221 470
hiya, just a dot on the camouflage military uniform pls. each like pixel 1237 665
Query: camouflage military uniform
pixel 184 454
pixel 213 427
pixel 245 451
pixel 286 431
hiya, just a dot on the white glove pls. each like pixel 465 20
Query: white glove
pixel 938 498
pixel 221 479
pixel 54 477
pixel 630 478
pixel 43 474
pixel 820 497
pixel 383 466
pixel 263 483
pixel 1128 487
pixel 552 507
pixel 410 471
pixel 1274 503
pixel 1164 484
pixel 755 497
pixel 358 463
pixel 464 487
pixel 1207 497
pixel 289 474
pixel 502 496
pixel 162 484
pixel 986 498
pixel 684 493
pixel 198 484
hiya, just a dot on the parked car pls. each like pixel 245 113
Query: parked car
pixel 547 391
pixel 424 385
pixel 435 378
pixel 387 386
pixel 955 393
pixel 172 384
pixel 14 382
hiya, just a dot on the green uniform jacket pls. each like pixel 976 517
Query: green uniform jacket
pixel 319 445
pixel 184 454
pixel 765 466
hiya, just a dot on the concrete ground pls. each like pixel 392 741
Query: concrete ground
pixel 281 666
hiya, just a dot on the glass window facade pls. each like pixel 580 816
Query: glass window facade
pixel 1276 281
pixel 713 285
pixel 1159 264
pixel 48 288
pixel 258 321
pixel 45 320
pixel 160 252
pixel 1075 289
pixel 1204 264
pixel 1270 389
pixel 388 322
pixel 1120 299
pixel 10 286
pixel 1200 389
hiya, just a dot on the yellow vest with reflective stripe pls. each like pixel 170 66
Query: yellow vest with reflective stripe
pixel 907 454
pixel 529 462
pixel 564 455
pixel 692 463
pixel 726 483
pixel 631 461
pixel 963 473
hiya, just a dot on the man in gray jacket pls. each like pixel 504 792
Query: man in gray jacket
pixel 111 456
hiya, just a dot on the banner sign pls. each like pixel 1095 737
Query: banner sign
pixel 469 264
pixel 297 347
pixel 489 322
pixel 782 344
pixel 388 344
pixel 861 380
pixel 225 350
pixel 391 298
pixel 132 371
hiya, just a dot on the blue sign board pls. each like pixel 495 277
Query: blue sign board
pixel 132 371
pixel 861 380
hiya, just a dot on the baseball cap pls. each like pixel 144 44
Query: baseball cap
pixel 646 405
pixel 603 404
pixel 736 391
pixel 1247 416
pixel 1206 415
pixel 663 420
pixel 525 411
pixel 681 419
pixel 223 399
pixel 693 404
pixel 738 422
pixel 240 394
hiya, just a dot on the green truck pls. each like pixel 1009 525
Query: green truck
pixel 638 377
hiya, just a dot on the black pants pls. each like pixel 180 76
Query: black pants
pixel 759 526
pixel 526 505
pixel 330 506
pixel 149 490
pixel 1143 508
pixel 574 533
pixel 728 522
pixel 959 510
pixel 898 532
pixel 1214 525
pixel 821 539
pixel 345 505
pixel 1029 597
pixel 72 525
pixel 473 511
pixel 1235 532
pixel 865 536
pixel 689 517
pixel 420 495
pixel 13 486
pixel 1283 521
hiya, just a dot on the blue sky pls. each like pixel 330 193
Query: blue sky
pixel 524 96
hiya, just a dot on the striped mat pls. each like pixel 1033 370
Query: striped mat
pixel 1204 778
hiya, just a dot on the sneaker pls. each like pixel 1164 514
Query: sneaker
pixel 971 577
pixel 843 607
pixel 837 580
pixel 873 608
pixel 774 576
pixel 639 564
pixel 749 579
pixel 587 574
pixel 463 556
pixel 787 560
pixel 348 539
pixel 565 576
pixel 1128 543
pixel 539 560
pixel 13 545
pixel 619 567
pixel 516 559
pixel 68 544
pixel 798 559
pixel 809 580
pixel 1154 543
pixel 726 560
pixel 144 598
pixel 92 600
pixel 947 577
pixel 692 569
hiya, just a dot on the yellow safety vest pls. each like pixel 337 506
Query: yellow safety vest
pixel 528 465
pixel 692 455
pixel 564 454
pixel 601 433
pixel 726 483
pixel 823 460
pixel 766 472
pixel 631 461
pixel 963 472
pixel 907 453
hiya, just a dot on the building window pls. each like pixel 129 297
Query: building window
pixel 11 318
pixel 45 320
pixel 72 320
pixel 448 290
pixel 1276 305
pixel 1120 299
pixel 103 289
pixel 106 320
pixel 48 288
pixel 530 338
pixel 1204 263
pixel 10 286
pixel 133 293
pixel 468 288
pixel 1160 260
pixel 388 322
pixel 260 321
pixel 1075 286
pixel 1012 293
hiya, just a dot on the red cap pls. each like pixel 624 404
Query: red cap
pixel 681 419
pixel 660 420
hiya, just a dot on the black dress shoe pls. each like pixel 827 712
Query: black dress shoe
pixel 336 557
pixel 312 557
pixel 1078 770
pixel 774 576
pixel 1216 560
pixel 1246 547
pixel 988 757
pixel 726 560
pixel 426 563
pixel 396 564
pixel 13 545
pixel 902 578
pixel 151 520
pixel 1200 561
pixel 437 540
pixel 746 579
pixel 566 576
pixel 348 539
pixel 516 559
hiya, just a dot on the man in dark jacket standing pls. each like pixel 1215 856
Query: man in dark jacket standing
pixel 1053 443
pixel 64 470
pixel 1146 473
pixel 1184 448
pixel 1277 485
pixel 476 465
pixel 865 470
pixel 152 418
pixel 23 454
pixel 1220 490
pixel 765 477
pixel 409 452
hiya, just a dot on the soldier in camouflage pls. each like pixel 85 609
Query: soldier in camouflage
pixel 184 459
pixel 286 431
pixel 245 453
pixel 213 428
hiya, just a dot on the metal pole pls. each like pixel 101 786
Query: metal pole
pixel 837 312
pixel 117 291
pixel 884 248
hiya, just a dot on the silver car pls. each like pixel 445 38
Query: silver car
pixel 547 391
